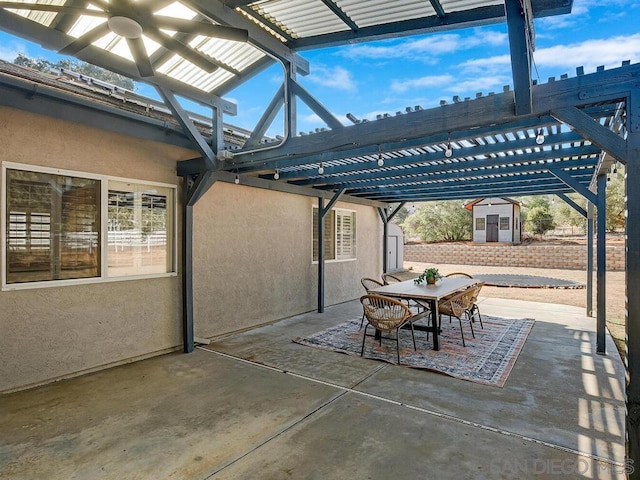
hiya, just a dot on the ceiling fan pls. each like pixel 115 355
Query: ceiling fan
pixel 131 20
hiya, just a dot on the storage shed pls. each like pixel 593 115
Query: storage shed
pixel 496 220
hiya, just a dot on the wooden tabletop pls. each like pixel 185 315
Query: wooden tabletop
pixel 442 288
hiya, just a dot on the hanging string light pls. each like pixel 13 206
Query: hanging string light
pixel 540 137
pixel 448 151
pixel 380 159
pixel 237 179
pixel 276 175
pixel 320 169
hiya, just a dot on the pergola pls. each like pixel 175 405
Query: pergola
pixel 557 137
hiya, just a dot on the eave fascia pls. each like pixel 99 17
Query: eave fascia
pixel 45 100
pixel 256 182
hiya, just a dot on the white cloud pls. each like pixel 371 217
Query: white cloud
pixel 430 81
pixel 9 52
pixel 609 52
pixel 335 77
pixel 426 47
pixel 479 84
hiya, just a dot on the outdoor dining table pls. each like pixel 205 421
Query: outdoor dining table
pixel 430 293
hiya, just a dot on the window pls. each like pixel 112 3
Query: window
pixel 504 223
pixel 339 235
pixel 139 242
pixel 480 224
pixel 54 223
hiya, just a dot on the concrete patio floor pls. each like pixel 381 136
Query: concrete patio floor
pixel 298 412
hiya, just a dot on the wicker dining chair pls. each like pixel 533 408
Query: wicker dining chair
pixel 369 284
pixel 385 314
pixel 387 278
pixel 459 274
pixel 474 309
pixel 458 306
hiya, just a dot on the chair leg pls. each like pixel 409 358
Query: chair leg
pixel 361 321
pixel 477 310
pixel 363 339
pixel 413 335
pixel 471 325
pixel 461 332
pixel 398 343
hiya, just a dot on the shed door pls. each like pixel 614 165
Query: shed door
pixel 492 228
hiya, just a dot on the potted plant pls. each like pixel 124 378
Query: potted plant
pixel 430 275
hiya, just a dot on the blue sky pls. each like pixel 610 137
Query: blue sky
pixel 387 76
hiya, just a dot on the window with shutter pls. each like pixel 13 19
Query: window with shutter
pixel 53 223
pixel 339 235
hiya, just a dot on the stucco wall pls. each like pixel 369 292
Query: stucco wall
pixel 252 255
pixel 48 333
pixel 254 258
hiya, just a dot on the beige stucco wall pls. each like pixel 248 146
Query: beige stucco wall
pixel 48 333
pixel 252 255
pixel 253 251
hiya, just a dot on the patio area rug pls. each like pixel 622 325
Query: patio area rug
pixel 487 359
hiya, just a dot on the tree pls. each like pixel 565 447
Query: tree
pixel 536 215
pixel 44 65
pixel 439 221
pixel 401 216
pixel 616 200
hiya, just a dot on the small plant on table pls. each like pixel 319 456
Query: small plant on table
pixel 430 275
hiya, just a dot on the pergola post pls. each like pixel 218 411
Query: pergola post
pixel 601 264
pixel 322 212
pixel 320 255
pixel 589 259
pixel 633 298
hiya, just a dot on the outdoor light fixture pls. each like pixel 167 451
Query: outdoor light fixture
pixel 237 179
pixel 320 169
pixel 276 175
pixel 540 137
pixel 380 159
pixel 125 27
pixel 448 151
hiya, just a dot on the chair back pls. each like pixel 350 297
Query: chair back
pixel 457 304
pixel 370 283
pixel 384 313
pixel 476 291
pixel 387 278
pixel 459 274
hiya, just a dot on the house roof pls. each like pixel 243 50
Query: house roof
pixel 470 205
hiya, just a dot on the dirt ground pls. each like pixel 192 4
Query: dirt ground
pixel 615 290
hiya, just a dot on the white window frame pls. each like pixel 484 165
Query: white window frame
pixel 104 195
pixel 338 213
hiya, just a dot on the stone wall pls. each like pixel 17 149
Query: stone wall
pixel 570 257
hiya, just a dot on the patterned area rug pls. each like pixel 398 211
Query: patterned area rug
pixel 487 359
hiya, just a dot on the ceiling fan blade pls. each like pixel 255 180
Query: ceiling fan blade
pixel 139 52
pixel 181 49
pixel 202 28
pixel 41 7
pixel 85 40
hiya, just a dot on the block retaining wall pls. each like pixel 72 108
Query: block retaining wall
pixel 570 257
